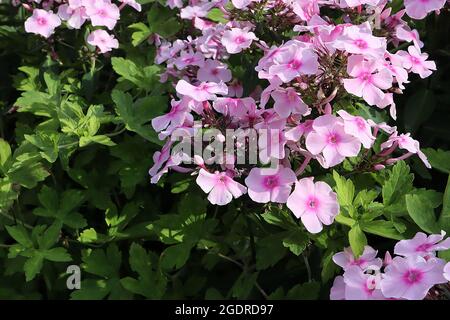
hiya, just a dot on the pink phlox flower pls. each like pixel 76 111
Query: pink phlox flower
pixel 221 188
pixel 288 101
pixel 271 139
pixel 189 59
pixel 368 258
pixel 447 271
pixel 358 127
pixel 418 9
pixel 408 35
pixel 242 4
pixel 404 141
pixel 176 116
pixel 103 40
pixel 174 4
pixel 368 82
pixel 42 22
pixel 362 286
pixel 356 3
pixel 74 13
pixel 337 291
pixel 305 9
pixel 330 139
pixel 199 10
pixel 236 39
pixel 234 107
pixel 235 89
pixel 422 245
pixel 266 184
pixel 417 62
pixel 412 277
pixel 314 203
pixel 296 60
pixel 204 91
pixel 132 3
pixel 395 65
pixel 102 13
pixel 359 40
pixel 214 71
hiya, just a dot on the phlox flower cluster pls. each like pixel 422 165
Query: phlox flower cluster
pixel 407 276
pixel 295 105
pixel 46 16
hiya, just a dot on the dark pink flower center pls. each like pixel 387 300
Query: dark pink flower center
pixel 102 13
pixel 270 182
pixel 358 262
pixel 360 123
pixel 414 60
pixel 333 138
pixel 412 276
pixel 312 203
pixel 424 247
pixel 365 76
pixel 240 39
pixel 41 21
pixel 360 43
pixel 295 64
pixel 215 72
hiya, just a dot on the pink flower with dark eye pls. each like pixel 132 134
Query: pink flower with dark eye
pixel 422 245
pixel 102 13
pixel 367 80
pixel 214 71
pixel 204 91
pixel 417 62
pixel 418 9
pixel 412 277
pixel 362 286
pixel 288 101
pixel 346 259
pixel 103 40
pixel 314 203
pixel 221 188
pixel 358 127
pixel 236 39
pixel 359 40
pixel 294 61
pixel 329 138
pixel 42 22
pixel 267 184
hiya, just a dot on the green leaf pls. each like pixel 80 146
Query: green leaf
pixel 32 266
pixel 398 184
pixel 381 228
pixel 439 159
pixel 345 190
pixel 444 219
pixel 142 77
pixel 305 291
pixel 162 21
pixel 102 263
pixel 176 256
pixel 137 115
pixel 216 15
pixel 244 284
pixel 141 33
pixel 50 236
pixel 5 155
pixel 296 242
pixel 270 250
pixel 357 240
pixel 421 210
pixel 57 255
pixel 47 143
pixel 20 234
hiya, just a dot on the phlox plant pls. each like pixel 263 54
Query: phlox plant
pixel 276 149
